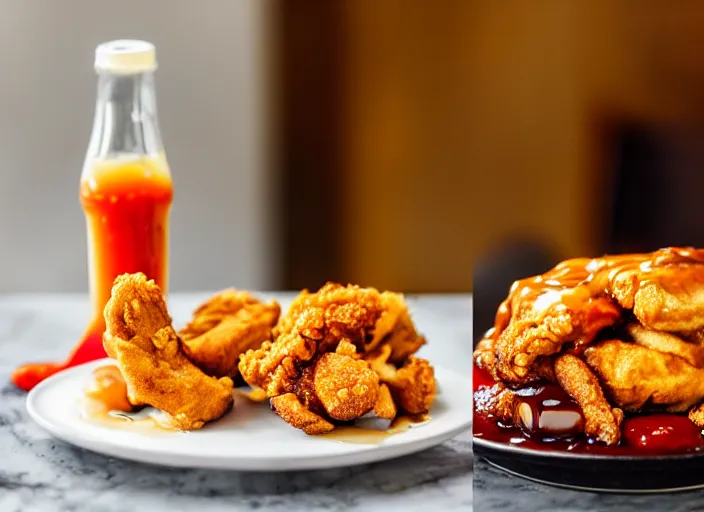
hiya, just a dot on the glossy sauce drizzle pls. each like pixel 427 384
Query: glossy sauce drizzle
pixel 578 282
pixel 654 434
pixel 360 435
pixel 106 402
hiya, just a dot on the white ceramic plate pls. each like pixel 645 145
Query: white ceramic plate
pixel 250 438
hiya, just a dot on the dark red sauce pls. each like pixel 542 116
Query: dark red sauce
pixel 655 434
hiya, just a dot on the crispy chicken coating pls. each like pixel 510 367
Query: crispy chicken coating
pixel 617 332
pixel 667 342
pixel 637 378
pixel 543 331
pixel 226 326
pixel 601 420
pixel 314 324
pixel 290 409
pixel 139 336
pixel 347 388
pixel 322 353
pixel 385 407
pixel 412 386
pixel 497 400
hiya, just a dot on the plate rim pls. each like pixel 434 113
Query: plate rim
pixel 506 448
pixel 362 455
pixel 586 488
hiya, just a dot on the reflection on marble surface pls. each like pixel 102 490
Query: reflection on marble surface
pixel 38 472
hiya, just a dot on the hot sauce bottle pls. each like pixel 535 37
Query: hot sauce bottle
pixel 125 190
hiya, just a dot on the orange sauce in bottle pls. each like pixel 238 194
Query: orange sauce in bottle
pixel 127 204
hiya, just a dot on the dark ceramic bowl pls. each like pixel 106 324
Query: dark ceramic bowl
pixel 597 472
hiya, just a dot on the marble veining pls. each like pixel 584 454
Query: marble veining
pixel 39 472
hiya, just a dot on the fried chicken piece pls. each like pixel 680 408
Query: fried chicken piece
pixel 696 415
pixel 211 312
pixel 140 337
pixel 395 329
pixel 314 324
pixel 578 298
pixel 289 408
pixel 637 377
pixel 385 407
pixel 497 400
pixel 600 420
pixel 226 326
pixel 543 328
pixel 668 343
pixel 347 388
pixel 665 291
pixel 412 386
pixel 323 355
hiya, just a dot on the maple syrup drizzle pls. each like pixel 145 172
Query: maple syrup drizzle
pixel 361 435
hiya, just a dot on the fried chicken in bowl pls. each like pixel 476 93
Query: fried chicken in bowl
pixel 604 353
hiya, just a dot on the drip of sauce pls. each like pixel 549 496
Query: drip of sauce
pixel 107 390
pixel 106 401
pixel 360 435
pixel 654 434
pixel 145 420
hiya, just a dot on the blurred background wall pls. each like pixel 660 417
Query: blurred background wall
pixel 309 141
pixel 395 144
pixel 213 89
pixel 587 134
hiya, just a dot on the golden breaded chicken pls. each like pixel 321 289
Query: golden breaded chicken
pixel 667 342
pixel 395 329
pixel 347 388
pixel 139 336
pixel 314 324
pixel 636 377
pixel 316 372
pixel 601 420
pixel 412 386
pixel 385 407
pixel 290 409
pixel 225 327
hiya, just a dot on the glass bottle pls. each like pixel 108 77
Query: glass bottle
pixel 125 190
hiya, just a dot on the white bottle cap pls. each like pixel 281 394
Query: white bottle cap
pixel 125 56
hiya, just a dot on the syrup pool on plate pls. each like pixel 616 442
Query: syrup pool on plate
pixel 644 435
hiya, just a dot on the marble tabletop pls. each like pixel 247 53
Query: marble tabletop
pixel 496 491
pixel 38 472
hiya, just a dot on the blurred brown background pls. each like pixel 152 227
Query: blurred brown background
pixel 586 134
pixel 397 144
pixel 419 139
pixel 374 145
